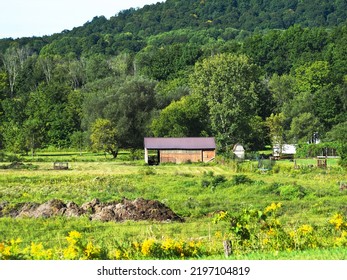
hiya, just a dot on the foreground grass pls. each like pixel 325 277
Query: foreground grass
pixel 308 196
pixel 313 254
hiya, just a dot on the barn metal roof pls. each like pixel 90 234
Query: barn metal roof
pixel 187 143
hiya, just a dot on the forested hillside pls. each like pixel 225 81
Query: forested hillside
pixel 244 71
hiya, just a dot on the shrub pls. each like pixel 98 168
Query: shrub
pixel 241 179
pixel 290 192
pixel 209 179
pixel 219 179
pixel 136 154
pixel 205 183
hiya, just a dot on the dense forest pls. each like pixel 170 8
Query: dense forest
pixel 254 72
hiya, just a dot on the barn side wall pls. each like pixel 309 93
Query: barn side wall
pixel 181 156
pixel 208 155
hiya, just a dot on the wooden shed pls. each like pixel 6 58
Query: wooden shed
pixel 180 150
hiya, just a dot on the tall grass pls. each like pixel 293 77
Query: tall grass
pixel 308 195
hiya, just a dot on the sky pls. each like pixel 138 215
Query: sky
pixel 27 18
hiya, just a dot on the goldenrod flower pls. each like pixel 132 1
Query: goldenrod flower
pixel 305 229
pixel 2 247
pixel 147 247
pixel 91 251
pixel 265 241
pixel 38 252
pixel 272 207
pixel 167 244
pixel 73 237
pixel 337 221
pixel 271 232
pixel 70 253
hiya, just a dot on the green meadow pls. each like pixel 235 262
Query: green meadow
pixel 218 201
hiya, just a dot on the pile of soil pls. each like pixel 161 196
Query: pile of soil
pixel 136 210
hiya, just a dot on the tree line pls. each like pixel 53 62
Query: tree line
pixel 90 88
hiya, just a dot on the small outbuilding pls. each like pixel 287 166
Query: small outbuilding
pixel 239 151
pixel 179 150
pixel 284 151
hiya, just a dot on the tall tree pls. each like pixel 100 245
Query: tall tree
pixel 303 127
pixel 104 137
pixel 131 110
pixel 12 66
pixel 275 124
pixel 184 118
pixel 229 84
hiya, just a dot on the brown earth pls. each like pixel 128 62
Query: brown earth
pixel 136 210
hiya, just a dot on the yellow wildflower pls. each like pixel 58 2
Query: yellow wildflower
pixel 91 251
pixel 116 254
pixel 147 247
pixel 7 251
pixel 272 207
pixel 75 234
pixel 73 237
pixel 222 215
pixel 305 229
pixel 337 221
pixel 292 234
pixel 265 241
pixel 218 234
pixel 38 252
pixel 70 253
pixel 136 245
pixel 271 232
pixel 167 244
pixel 15 242
pixel 2 247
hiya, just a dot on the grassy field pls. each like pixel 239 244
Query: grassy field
pixel 305 194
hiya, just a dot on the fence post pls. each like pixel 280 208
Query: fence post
pixel 227 247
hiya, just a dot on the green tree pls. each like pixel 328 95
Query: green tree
pixel 130 107
pixel 282 90
pixel 229 85
pixel 33 134
pixel 13 137
pixel 78 140
pixel 47 105
pixel 167 61
pixel 275 124
pixel 183 118
pixel 3 84
pixel 97 67
pixel 309 79
pixel 104 137
pixel 339 134
pixel 303 127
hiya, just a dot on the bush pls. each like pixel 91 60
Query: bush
pixel 343 162
pixel 241 179
pixel 9 157
pixel 209 179
pixel 205 183
pixel 219 179
pixel 136 154
pixel 290 192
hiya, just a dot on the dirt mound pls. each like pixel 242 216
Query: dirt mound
pixel 136 210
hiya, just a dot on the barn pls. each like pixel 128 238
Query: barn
pixel 179 150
